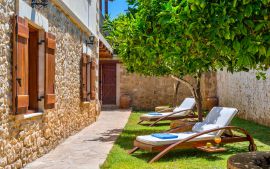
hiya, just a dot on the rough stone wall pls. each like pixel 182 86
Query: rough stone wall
pixel 22 141
pixel 246 93
pixel 148 92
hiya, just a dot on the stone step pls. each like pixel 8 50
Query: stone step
pixel 109 107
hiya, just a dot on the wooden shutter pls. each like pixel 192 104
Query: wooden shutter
pixel 93 80
pixel 20 65
pixel 88 79
pixel 50 47
pixel 84 77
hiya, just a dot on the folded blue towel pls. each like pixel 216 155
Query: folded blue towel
pixel 164 135
pixel 155 114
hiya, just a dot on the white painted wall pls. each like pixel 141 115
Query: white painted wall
pixel 36 18
pixel 86 11
pixel 243 91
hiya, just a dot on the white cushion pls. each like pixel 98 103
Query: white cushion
pixel 148 139
pixel 201 127
pixel 188 103
pixel 218 117
pixel 164 114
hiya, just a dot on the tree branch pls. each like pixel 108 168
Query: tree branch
pixel 186 83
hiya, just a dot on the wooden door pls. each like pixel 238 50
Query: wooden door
pixel 108 83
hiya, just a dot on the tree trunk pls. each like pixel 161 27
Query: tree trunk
pixel 176 88
pixel 198 98
pixel 196 92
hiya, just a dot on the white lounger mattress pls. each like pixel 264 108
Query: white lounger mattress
pixel 164 114
pixel 148 139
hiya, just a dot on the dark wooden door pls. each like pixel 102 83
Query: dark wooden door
pixel 108 83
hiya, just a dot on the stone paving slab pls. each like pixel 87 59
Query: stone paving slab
pixel 87 149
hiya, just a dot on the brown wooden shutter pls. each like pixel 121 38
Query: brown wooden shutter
pixel 20 65
pixel 88 79
pixel 50 47
pixel 93 80
pixel 84 77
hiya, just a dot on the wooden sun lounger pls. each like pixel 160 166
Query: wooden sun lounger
pixel 170 116
pixel 186 143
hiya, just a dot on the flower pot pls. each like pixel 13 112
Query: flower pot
pixel 125 101
pixel 211 102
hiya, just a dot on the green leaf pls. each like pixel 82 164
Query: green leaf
pixel 236 46
pixel 246 2
pixel 186 9
pixel 259 27
pixel 249 23
pixel 268 53
pixel 261 75
pixel 227 35
pixel 262 51
pixel 234 3
pixel 248 11
pixel 265 2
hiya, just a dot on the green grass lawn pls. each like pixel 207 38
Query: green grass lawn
pixel 189 159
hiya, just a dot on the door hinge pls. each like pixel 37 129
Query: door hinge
pixel 40 98
pixel 40 42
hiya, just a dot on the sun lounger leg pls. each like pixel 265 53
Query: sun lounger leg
pixel 157 157
pixel 140 122
pixel 252 146
pixel 151 125
pixel 133 150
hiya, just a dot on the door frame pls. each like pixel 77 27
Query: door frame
pixel 110 61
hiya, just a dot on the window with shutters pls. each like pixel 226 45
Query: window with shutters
pixel 26 72
pixel 88 75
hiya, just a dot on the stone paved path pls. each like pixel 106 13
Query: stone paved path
pixel 87 149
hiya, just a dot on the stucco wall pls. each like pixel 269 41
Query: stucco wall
pixel 22 141
pixel 246 93
pixel 86 11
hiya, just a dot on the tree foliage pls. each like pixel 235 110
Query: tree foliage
pixel 190 37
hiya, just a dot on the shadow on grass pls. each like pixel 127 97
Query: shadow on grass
pixel 179 155
pixel 259 132
pixel 191 153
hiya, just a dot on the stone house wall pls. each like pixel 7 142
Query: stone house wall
pixel 22 141
pixel 148 92
pixel 246 93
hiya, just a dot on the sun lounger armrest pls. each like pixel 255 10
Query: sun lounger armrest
pixel 165 151
pixel 170 114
